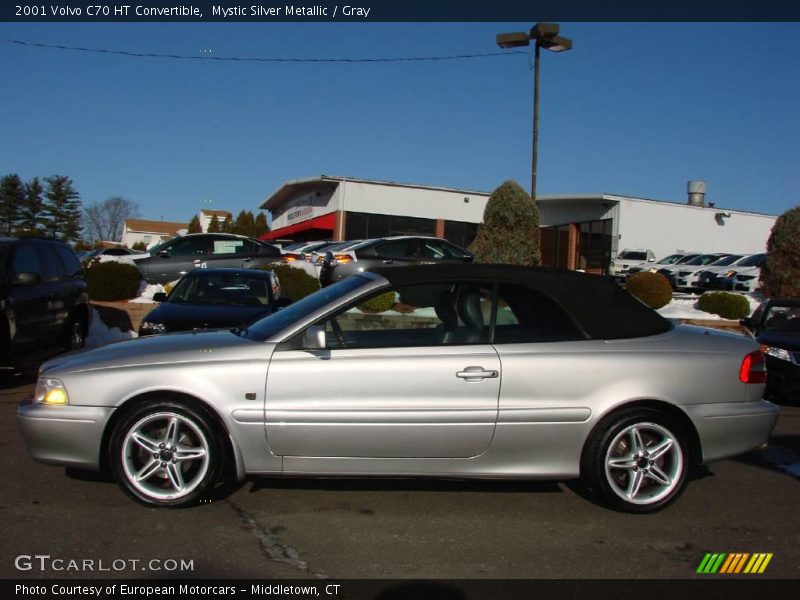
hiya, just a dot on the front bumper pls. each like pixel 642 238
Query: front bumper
pixel 68 436
pixel 731 428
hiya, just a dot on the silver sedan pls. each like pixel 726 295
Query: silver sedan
pixel 469 371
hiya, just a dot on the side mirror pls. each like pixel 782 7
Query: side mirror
pixel 651 259
pixel 163 253
pixel 314 338
pixel 159 297
pixel 28 279
pixel 469 259
pixel 746 322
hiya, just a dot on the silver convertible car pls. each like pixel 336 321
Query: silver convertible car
pixel 466 371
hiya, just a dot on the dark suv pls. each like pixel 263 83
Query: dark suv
pixel 43 301
pixel 174 258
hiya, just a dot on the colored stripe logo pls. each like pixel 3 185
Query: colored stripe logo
pixel 734 563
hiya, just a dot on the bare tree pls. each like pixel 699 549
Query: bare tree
pixel 104 220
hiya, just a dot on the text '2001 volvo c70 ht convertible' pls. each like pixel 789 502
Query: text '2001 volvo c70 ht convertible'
pixel 468 371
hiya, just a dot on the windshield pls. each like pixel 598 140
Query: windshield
pixel 228 289
pixel 272 324
pixel 784 320
pixel 633 255
pixel 670 260
pixel 753 261
pixel 703 259
pixel 726 260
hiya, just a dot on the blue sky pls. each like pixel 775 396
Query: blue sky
pixel 635 109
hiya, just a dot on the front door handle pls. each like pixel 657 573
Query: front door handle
pixel 476 374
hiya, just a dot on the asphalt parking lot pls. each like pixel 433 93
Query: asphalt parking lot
pixel 298 528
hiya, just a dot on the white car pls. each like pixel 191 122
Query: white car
pixel 686 279
pixel 746 276
pixel 630 257
pixel 698 261
pixel 711 277
pixel 672 259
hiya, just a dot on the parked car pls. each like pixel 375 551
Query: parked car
pixel 302 250
pixel 746 277
pixel 687 277
pixel 122 251
pixel 712 277
pixel 391 251
pixel 630 258
pixel 43 303
pixel 672 259
pixel 337 248
pixel 488 372
pixel 212 299
pixel 775 324
pixel 176 257
pixel 670 271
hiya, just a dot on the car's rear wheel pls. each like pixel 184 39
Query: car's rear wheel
pixel 638 460
pixel 166 453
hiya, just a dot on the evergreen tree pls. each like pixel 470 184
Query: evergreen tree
pixel 12 196
pixel 227 225
pixel 31 219
pixel 213 226
pixel 239 225
pixel 509 233
pixel 63 208
pixel 780 275
pixel 194 225
pixel 261 226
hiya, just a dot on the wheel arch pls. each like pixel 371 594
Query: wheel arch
pixel 233 465
pixel 671 410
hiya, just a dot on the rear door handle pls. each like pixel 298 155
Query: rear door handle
pixel 476 374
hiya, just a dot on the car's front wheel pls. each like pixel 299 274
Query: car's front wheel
pixel 638 460
pixel 166 453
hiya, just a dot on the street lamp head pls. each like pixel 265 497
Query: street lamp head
pixel 513 40
pixel 544 30
pixel 556 43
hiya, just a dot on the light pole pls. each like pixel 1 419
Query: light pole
pixel 545 35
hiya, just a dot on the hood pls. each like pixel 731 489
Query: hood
pixel 196 346
pixel 185 317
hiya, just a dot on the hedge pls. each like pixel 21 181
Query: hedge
pixel 724 304
pixel 651 288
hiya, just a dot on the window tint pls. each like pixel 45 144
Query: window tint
pixel 527 315
pixel 50 263
pixel 192 246
pixel 397 249
pixel 26 260
pixel 69 260
pixel 438 250
pixel 422 315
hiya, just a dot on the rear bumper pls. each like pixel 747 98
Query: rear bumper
pixel 731 428
pixel 68 436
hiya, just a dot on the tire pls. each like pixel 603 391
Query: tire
pixel 638 460
pixel 166 453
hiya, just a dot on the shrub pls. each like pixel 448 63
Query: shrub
pixel 380 303
pixel 295 283
pixel 111 280
pixel 724 304
pixel 509 233
pixel 780 275
pixel 651 288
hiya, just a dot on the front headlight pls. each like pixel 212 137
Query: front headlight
pixel 50 391
pixel 151 328
pixel 775 352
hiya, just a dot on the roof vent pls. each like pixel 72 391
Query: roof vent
pixel 697 193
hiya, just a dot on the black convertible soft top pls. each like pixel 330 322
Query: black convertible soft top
pixel 599 305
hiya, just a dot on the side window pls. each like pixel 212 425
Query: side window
pixel 192 246
pixel 69 260
pixel 394 249
pixel 228 246
pixel 423 315
pixel 52 270
pixel 267 249
pixel 526 315
pixel 26 260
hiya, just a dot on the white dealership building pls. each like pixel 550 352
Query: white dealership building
pixel 578 231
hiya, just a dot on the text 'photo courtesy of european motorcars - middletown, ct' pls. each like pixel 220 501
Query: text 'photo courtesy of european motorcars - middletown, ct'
pixel 482 371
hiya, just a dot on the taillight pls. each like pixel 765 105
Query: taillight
pixel 754 368
pixel 288 258
pixel 342 259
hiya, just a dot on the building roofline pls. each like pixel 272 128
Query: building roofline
pixel 273 199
